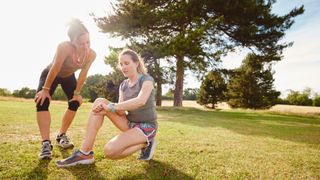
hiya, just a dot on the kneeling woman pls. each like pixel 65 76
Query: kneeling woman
pixel 138 125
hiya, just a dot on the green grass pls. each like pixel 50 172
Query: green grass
pixel 193 144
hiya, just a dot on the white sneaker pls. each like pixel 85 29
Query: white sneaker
pixel 64 141
pixel 46 150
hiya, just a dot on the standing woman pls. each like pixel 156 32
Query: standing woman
pixel 138 124
pixel 69 57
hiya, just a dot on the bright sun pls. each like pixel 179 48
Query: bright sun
pixel 31 31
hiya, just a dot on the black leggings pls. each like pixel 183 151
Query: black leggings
pixel 68 85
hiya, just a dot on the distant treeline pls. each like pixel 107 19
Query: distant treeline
pixel 303 98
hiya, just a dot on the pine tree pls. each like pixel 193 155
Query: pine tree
pixel 212 89
pixel 251 85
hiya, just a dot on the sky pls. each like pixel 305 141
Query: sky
pixel 31 31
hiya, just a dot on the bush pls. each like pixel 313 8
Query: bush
pixel 25 92
pixel 316 101
pixel 4 92
pixel 297 98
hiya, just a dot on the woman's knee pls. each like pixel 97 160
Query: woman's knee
pixel 99 100
pixel 110 151
pixel 44 106
pixel 73 105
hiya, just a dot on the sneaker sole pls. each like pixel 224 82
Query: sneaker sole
pixel 43 157
pixel 85 162
pixel 66 147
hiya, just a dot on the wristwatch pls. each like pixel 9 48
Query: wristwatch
pixel 111 107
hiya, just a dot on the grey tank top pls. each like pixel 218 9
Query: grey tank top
pixel 68 68
pixel 146 113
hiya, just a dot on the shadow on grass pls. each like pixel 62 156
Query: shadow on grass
pixel 158 170
pixel 65 152
pixel 41 171
pixel 86 172
pixel 286 127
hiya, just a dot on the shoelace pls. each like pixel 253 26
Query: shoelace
pixel 46 147
pixel 65 139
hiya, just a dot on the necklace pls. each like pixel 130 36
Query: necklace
pixel 76 59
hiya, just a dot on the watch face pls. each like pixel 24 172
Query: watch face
pixel 111 107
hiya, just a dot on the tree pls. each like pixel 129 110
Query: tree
pixel 25 92
pixel 114 79
pixel 251 86
pixel 4 92
pixel 212 89
pixel 112 85
pixel 94 86
pixel 292 97
pixel 168 95
pixel 59 94
pixel 316 100
pixel 190 93
pixel 197 32
pixel 302 99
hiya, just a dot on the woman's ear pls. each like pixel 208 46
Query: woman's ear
pixel 137 64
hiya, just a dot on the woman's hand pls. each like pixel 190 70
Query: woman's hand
pixel 41 96
pixel 100 107
pixel 77 98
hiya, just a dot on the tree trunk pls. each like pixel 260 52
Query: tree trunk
pixel 159 93
pixel 159 83
pixel 178 91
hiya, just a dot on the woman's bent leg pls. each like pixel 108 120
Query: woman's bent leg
pixel 125 144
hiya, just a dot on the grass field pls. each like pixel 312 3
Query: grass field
pixel 193 144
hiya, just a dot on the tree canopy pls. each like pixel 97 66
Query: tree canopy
pixel 197 32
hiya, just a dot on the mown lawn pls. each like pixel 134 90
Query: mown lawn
pixel 192 144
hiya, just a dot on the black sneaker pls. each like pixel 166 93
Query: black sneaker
pixel 147 152
pixel 46 150
pixel 64 141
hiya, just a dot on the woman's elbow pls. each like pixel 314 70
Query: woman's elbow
pixel 141 103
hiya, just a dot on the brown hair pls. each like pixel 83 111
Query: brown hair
pixel 135 58
pixel 76 29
